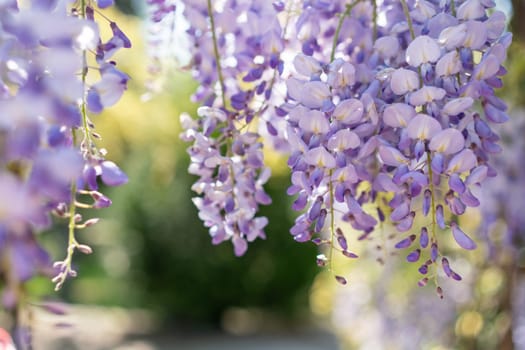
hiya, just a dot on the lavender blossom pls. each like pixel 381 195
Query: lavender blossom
pixel 423 64
pixel 376 114
pixel 227 152
pixel 506 191
pixel 43 84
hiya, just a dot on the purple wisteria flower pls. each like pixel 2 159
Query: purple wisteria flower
pixel 387 117
pixel 236 60
pixel 230 185
pixel 503 211
pixel 45 132
pixel 406 90
pixel 162 34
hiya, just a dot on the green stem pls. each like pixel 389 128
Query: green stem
pixel 432 209
pixel 412 36
pixel 332 220
pixel 17 324
pixel 72 213
pixel 409 19
pixel 384 246
pixel 432 196
pixel 345 14
pixel 87 139
pixel 73 188
pixel 216 53
pixel 453 10
pixel 374 20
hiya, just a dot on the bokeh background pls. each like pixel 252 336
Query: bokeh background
pixel 156 282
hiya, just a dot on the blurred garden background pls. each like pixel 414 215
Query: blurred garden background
pixel 156 282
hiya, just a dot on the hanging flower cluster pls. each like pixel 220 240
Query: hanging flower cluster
pixel 160 27
pixel 389 105
pixel 395 112
pixel 49 163
pixel 236 59
pixel 507 193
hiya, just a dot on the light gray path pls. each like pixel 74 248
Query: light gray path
pixel 298 341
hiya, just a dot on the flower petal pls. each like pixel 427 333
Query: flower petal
pixel 398 114
pixel 461 237
pixel 314 121
pixel 403 81
pixel 421 50
pixel 349 111
pixel 391 156
pixel 112 175
pixel 423 127
pixel 463 161
pixel 448 141
pixel 320 157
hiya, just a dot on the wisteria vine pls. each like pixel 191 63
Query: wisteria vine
pixel 236 75
pixel 385 109
pixel 55 73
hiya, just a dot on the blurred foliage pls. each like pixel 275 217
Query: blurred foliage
pixel 514 81
pixel 382 308
pixel 517 25
pixel 183 276
pixel 127 7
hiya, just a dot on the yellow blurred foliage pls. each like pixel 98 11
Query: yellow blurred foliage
pixel 469 324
